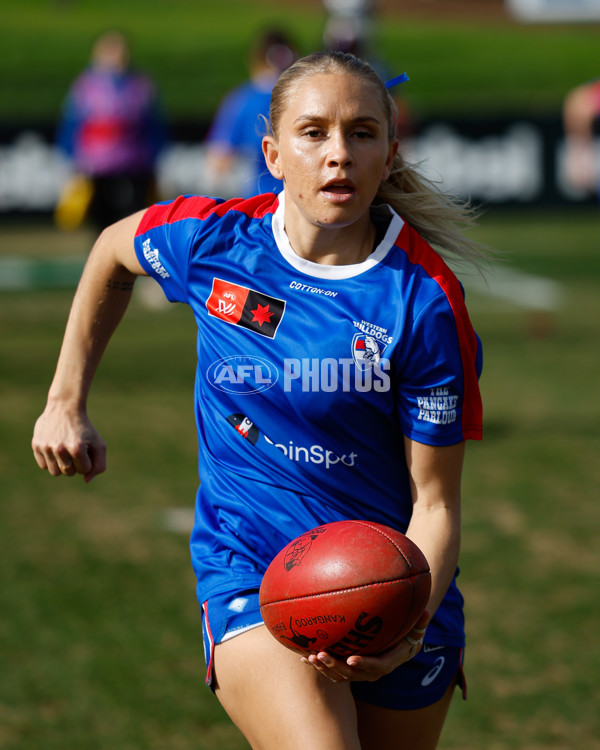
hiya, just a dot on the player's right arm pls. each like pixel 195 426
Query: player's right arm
pixel 64 440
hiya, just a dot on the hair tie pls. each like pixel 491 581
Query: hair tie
pixel 398 79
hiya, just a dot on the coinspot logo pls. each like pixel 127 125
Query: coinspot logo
pixel 242 374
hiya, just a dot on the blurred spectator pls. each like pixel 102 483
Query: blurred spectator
pixel 112 129
pixel 350 28
pixel 352 34
pixel 581 112
pixel 240 121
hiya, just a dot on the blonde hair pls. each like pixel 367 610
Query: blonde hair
pixel 438 217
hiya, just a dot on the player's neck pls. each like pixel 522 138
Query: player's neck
pixel 334 246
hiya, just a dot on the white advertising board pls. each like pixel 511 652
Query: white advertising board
pixel 556 11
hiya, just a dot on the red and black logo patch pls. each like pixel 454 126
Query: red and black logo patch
pixel 247 429
pixel 245 307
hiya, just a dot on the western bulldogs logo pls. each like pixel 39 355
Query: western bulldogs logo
pixel 366 351
pixel 297 551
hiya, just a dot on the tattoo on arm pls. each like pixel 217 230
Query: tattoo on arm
pixel 119 286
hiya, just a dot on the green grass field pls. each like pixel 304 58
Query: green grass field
pixel 100 640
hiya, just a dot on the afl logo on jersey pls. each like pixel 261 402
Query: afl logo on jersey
pixel 242 374
pixel 366 351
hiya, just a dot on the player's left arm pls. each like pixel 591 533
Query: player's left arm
pixel 435 476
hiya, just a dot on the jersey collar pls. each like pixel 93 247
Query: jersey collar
pixel 321 271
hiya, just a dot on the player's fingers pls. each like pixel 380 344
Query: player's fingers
pixel 47 459
pixel 423 621
pixel 373 667
pixel 52 466
pixel 60 466
pixel 56 459
pixel 39 458
pixel 65 461
pixel 335 669
pixel 415 645
pixel 415 637
pixel 96 460
pixel 369 668
pixel 61 461
pixel 328 666
pixel 44 456
pixel 81 459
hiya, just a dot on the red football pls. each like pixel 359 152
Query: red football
pixel 347 587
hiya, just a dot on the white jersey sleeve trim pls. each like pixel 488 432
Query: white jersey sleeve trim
pixel 323 271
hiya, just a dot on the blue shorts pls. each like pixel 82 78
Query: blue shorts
pixel 417 683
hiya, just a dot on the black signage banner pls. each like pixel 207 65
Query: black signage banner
pixel 496 162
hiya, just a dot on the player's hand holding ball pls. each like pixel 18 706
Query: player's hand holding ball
pixel 370 668
pixel 350 596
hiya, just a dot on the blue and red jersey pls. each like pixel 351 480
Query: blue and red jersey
pixel 309 376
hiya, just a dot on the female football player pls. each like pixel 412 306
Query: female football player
pixel 337 378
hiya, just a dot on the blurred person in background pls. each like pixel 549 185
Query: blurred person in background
pixel 239 124
pixel 350 29
pixel 581 113
pixel 112 130
pixel 352 32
